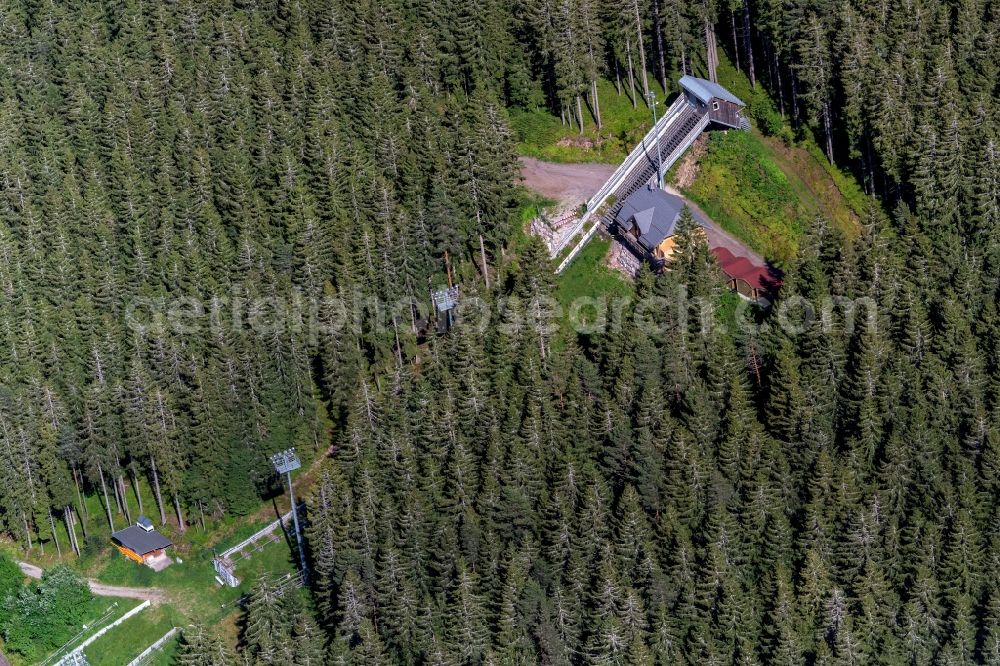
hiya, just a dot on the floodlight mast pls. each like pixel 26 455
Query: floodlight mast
pixel 285 462
pixel 651 98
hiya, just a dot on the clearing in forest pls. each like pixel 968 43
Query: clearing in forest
pixel 764 190
pixel 761 191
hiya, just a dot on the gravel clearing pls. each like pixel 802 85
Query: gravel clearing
pixel 569 184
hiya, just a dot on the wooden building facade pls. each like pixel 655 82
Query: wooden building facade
pixel 141 543
pixel 722 107
pixel 646 223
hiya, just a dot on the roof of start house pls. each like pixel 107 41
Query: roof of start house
pixel 655 213
pixel 140 541
pixel 705 90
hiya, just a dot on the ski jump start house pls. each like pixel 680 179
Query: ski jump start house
pixel 143 544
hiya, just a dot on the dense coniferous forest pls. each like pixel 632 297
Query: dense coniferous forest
pixel 192 195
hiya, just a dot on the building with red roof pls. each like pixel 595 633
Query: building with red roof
pixel 755 283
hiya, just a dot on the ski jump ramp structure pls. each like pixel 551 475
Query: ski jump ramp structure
pixel 700 103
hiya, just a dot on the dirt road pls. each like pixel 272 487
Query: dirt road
pixel 569 184
pixel 153 594
pixel 572 184
pixel 716 235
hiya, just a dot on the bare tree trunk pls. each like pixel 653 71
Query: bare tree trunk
pixel 736 43
pixel 107 503
pixel 712 56
pixel 597 106
pixel 79 499
pixel 780 83
pixel 658 32
pixel 156 490
pixel 70 528
pixel 579 111
pixel 482 255
pixel 631 70
pixel 871 164
pixel 124 495
pixel 828 130
pixel 770 63
pixel 138 493
pixel 795 99
pixel 82 506
pixel 117 493
pixel 201 514
pixel 27 530
pixel 618 78
pixel 749 43
pixel 180 516
pixel 55 537
pixel 70 519
pixel 641 48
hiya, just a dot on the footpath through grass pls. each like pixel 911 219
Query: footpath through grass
pixel 190 585
pixel 194 596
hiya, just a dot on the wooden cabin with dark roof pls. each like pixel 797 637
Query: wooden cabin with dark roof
pixel 143 544
pixel 647 223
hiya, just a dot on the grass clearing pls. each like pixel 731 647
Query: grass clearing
pixel 846 184
pixel 542 135
pixel 102 608
pixel 766 193
pixel 742 188
pixel 194 595
pixel 127 641
pixel 765 187
pixel 191 585
pixel 589 277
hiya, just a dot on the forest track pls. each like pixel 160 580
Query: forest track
pixel 716 235
pixel 152 594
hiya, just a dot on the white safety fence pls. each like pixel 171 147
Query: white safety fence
pixel 74 656
pixel 152 649
pixel 257 536
pixel 665 165
pixel 639 155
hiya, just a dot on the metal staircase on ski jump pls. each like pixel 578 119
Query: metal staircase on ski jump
pixel 675 131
